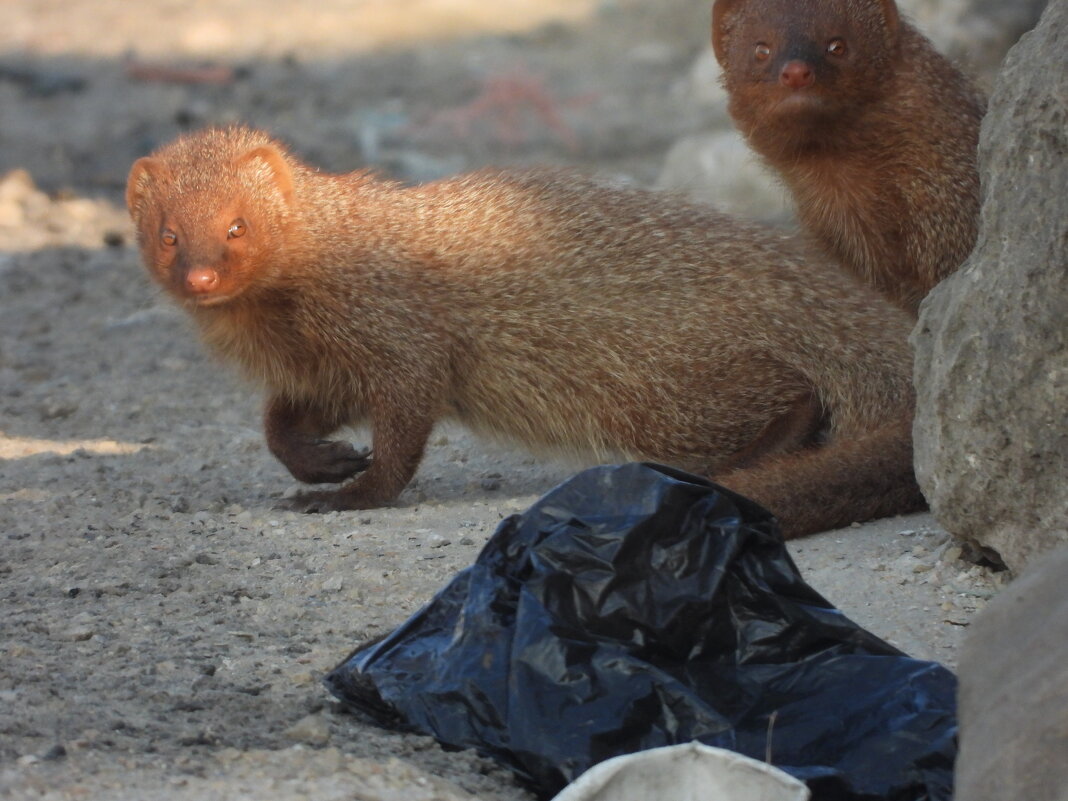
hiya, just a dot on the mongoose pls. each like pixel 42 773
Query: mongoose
pixel 873 132
pixel 542 306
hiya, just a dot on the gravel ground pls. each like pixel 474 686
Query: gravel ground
pixel 164 628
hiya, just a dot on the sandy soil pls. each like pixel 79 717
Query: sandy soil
pixel 164 628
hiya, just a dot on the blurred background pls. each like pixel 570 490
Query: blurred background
pixel 415 88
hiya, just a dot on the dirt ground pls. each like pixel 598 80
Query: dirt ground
pixel 164 628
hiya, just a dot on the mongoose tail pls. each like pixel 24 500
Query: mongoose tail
pixel 847 481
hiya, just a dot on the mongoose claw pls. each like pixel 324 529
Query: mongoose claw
pixel 328 462
pixel 342 461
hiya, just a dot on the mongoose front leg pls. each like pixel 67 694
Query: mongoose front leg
pixel 400 434
pixel 295 436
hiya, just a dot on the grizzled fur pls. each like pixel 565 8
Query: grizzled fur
pixel 538 306
pixel 873 132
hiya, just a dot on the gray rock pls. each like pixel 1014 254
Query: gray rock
pixel 311 729
pixel 992 344
pixel 1014 692
pixel 718 168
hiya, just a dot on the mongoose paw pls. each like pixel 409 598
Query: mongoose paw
pixel 327 461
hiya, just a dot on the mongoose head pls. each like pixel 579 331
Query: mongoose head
pixel 803 61
pixel 211 213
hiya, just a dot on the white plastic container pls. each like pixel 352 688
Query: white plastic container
pixel 690 772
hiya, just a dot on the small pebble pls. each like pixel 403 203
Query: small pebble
pixel 57 751
pixel 435 540
pixel 311 729
pixel 333 584
pixel 75 634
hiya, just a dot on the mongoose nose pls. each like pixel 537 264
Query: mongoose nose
pixel 201 280
pixel 797 75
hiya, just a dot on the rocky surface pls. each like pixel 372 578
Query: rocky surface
pixel 992 347
pixel 164 627
pixel 1014 682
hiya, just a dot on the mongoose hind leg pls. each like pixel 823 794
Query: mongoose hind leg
pixel 799 427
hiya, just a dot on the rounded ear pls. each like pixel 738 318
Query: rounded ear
pixel 721 11
pixel 144 172
pixel 271 159
pixel 890 14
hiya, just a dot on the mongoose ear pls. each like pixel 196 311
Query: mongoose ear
pixel 144 172
pixel 269 157
pixel 721 10
pixel 890 14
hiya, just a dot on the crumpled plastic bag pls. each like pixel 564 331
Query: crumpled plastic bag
pixel 634 607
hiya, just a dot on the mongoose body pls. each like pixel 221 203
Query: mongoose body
pixel 873 132
pixel 539 306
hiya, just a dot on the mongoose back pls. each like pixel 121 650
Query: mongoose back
pixel 873 132
pixel 540 306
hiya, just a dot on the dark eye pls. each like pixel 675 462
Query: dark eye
pixel 762 52
pixel 168 237
pixel 237 228
pixel 837 47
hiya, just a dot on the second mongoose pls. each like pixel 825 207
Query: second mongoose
pixel 540 306
pixel 872 130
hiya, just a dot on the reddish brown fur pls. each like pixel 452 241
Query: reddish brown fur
pixel 879 151
pixel 540 306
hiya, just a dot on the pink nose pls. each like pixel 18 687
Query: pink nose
pixel 201 280
pixel 797 75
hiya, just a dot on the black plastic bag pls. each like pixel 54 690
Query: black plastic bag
pixel 634 607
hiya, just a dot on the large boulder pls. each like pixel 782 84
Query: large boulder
pixel 992 340
pixel 1014 692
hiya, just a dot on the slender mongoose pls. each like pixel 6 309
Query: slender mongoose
pixel 540 306
pixel 872 131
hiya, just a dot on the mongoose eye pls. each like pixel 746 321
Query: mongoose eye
pixel 762 52
pixel 837 47
pixel 237 228
pixel 168 237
